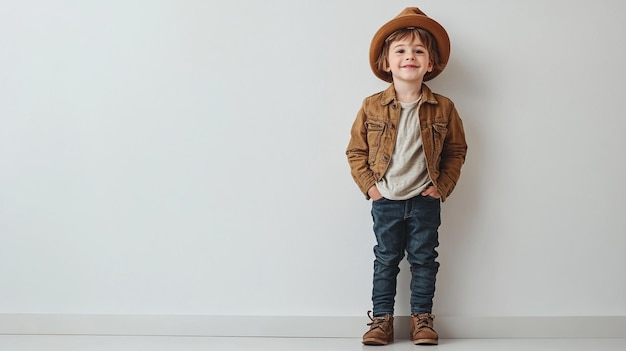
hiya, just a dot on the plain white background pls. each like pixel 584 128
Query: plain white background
pixel 187 157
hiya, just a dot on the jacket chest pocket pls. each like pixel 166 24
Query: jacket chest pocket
pixel 434 136
pixel 440 130
pixel 375 129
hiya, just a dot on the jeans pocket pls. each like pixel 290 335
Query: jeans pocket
pixel 431 199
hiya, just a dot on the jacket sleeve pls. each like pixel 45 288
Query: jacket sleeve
pixel 452 155
pixel 358 154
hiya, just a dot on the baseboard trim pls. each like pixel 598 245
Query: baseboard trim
pixel 300 326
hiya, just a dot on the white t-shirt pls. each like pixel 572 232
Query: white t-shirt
pixel 407 175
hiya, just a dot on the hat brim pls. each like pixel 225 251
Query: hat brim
pixel 405 21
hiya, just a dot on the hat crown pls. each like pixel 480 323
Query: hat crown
pixel 411 11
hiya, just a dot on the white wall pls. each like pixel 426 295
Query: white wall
pixel 187 157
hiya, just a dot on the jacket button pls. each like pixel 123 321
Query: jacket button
pixel 385 159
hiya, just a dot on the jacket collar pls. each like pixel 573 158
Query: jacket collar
pixel 389 95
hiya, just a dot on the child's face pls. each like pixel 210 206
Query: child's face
pixel 408 60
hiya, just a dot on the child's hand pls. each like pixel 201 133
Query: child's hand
pixel 431 191
pixel 374 193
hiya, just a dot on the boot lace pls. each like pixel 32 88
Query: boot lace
pixel 424 320
pixel 377 322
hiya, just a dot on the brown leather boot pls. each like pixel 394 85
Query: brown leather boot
pixel 422 332
pixel 381 330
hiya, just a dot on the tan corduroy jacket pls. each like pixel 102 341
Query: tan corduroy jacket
pixel 373 138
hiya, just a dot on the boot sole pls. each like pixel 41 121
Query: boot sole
pixel 376 342
pixel 426 342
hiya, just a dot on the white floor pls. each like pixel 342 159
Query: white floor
pixel 168 343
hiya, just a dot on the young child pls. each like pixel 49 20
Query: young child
pixel 406 150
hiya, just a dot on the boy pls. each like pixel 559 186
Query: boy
pixel 406 151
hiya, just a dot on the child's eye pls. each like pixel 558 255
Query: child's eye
pixel 400 51
pixel 419 51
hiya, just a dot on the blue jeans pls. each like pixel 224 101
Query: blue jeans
pixel 411 226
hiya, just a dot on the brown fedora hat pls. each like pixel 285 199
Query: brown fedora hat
pixel 410 17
